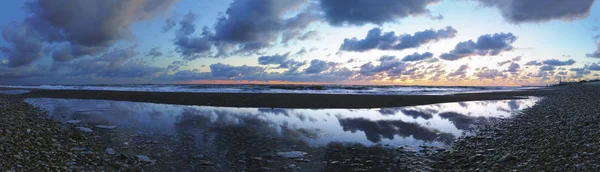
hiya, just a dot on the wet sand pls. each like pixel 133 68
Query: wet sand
pixel 282 100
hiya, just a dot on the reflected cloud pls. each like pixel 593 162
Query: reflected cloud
pixel 461 121
pixel 376 130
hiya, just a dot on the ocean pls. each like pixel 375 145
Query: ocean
pixel 297 89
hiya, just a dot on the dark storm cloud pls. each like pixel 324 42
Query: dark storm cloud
pixel 520 11
pixel 533 63
pixel 486 45
pixel 593 66
pixel 85 27
pixel 8 74
pixel 154 52
pixel 25 46
pixel 555 62
pixel 376 39
pixel 417 57
pixel 282 60
pixel 360 12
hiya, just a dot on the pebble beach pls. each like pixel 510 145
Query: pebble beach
pixel 560 132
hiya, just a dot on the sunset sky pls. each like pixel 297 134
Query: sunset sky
pixel 405 42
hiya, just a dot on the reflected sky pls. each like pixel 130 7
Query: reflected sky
pixel 435 124
pixel 14 91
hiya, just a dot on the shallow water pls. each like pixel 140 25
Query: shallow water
pixel 436 124
pixel 14 91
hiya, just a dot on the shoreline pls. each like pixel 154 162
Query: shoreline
pixel 282 100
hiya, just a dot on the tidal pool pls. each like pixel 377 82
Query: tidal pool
pixel 436 124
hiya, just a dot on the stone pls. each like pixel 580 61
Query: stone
pixel 85 129
pixel 110 151
pixel 292 154
pixel 145 158
pixel 106 126
pixel 73 121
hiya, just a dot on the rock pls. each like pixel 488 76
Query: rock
pixel 73 121
pixel 292 166
pixel 110 151
pixel 106 126
pixel 507 157
pixel 206 163
pixel 85 129
pixel 199 155
pixel 122 157
pixel 145 158
pixel 292 154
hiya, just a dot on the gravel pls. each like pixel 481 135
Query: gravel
pixel 560 133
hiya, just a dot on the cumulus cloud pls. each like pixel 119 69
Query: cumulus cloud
pixel 460 72
pixel 417 57
pixel 376 39
pixel 170 23
pixel 489 44
pixel 228 71
pixel 486 73
pixel 555 62
pixel 595 54
pixel 360 12
pixel 25 45
pixel 84 28
pixel 513 68
pixel 502 63
pixel 521 11
pixel 533 63
pixel 318 66
pixel 117 63
pixel 246 28
pixel 391 65
pixel 154 53
pixel 547 68
pixel 593 66
pixel 282 60
pixel 580 71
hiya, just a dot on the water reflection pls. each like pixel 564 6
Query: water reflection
pixel 202 125
pixel 14 91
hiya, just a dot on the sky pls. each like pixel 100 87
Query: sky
pixel 382 42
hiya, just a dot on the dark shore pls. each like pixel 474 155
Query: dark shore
pixel 282 100
pixel 559 133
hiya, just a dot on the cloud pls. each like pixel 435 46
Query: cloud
pixel 555 62
pixel 486 45
pixel 81 27
pixel 521 11
pixel 25 45
pixel 117 63
pixel 502 63
pixel 580 71
pixel 593 66
pixel 513 68
pixel 10 74
pixel 486 73
pixel 391 65
pixel 460 72
pixel 282 60
pixel 360 12
pixel 375 39
pixel 533 63
pixel 154 53
pixel 547 68
pixel 246 28
pixel 318 66
pixel 170 23
pixel 417 57
pixel 518 58
pixel 595 54
pixel 175 65
pixel 228 71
